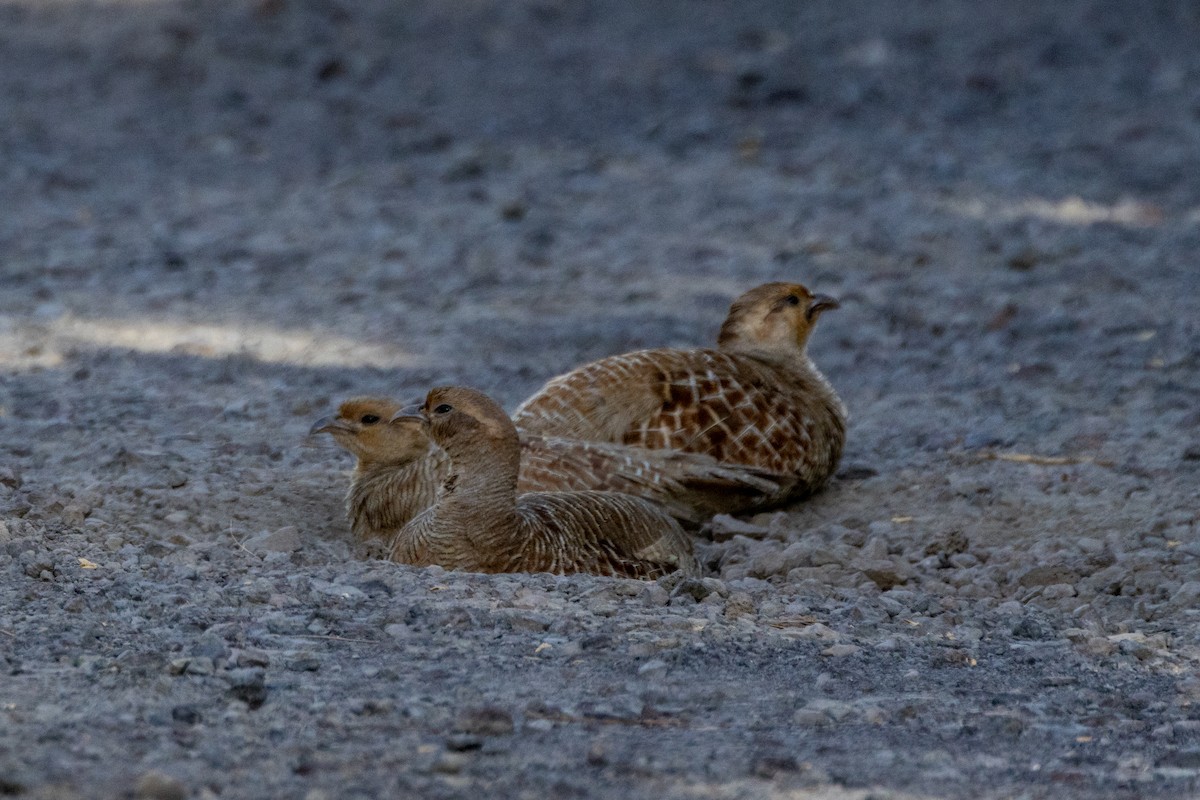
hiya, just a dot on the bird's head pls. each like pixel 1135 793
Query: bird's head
pixel 364 426
pixel 773 318
pixel 458 416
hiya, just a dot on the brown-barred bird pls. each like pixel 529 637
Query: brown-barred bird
pixel 399 469
pixel 482 523
pixel 756 399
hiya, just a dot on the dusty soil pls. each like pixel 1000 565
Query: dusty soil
pixel 218 219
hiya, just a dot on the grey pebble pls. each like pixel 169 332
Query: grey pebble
pixel 301 662
pixel 282 540
pixel 154 785
pixel 210 645
pixel 484 721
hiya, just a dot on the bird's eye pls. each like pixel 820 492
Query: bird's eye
pixel 369 419
pixel 444 408
pixel 792 300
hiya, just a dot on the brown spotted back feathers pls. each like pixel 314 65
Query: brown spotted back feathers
pixel 756 399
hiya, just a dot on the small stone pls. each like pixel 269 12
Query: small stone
pixel 653 667
pixel 841 650
pixel 767 767
pixel 513 210
pixel 485 721
pixel 655 595
pixel 976 440
pixel 1030 628
pixel 723 527
pixel 5 536
pixel 38 566
pixel 892 606
pixel 1024 259
pixel 750 584
pixel 1183 759
pixel 278 622
pixel 739 604
pixel 248 684
pixel 887 575
pixel 397 630
pixel 1138 650
pixel 597 755
pixel 1099 646
pixel 463 743
pixel 1058 591
pixel 338 590
pixel 251 657
pixel 811 718
pixel 818 631
pixel 1047 575
pixel 1186 596
pixel 185 714
pixel 875 715
pixel 696 588
pixel 302 662
pixel 834 709
pixel 950 657
pixel 968 634
pixel 827 556
pixel 284 540
pixel 211 646
pixel 199 666
pixel 154 785
pixel 9 478
pixel 451 763
pixel 964 560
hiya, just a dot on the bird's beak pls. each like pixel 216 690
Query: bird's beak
pixel 414 411
pixel 328 425
pixel 819 303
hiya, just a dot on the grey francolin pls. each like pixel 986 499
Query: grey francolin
pixel 756 399
pixel 399 469
pixel 481 523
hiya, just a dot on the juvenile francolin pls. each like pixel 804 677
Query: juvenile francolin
pixel 481 523
pixel 756 399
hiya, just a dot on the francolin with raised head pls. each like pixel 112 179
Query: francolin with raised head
pixel 756 399
pixel 480 522
pixel 399 469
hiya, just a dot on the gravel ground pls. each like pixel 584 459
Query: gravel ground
pixel 219 219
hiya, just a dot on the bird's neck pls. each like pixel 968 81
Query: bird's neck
pixel 479 496
pixel 383 497
pixel 786 354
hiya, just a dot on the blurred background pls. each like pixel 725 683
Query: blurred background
pixel 326 183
